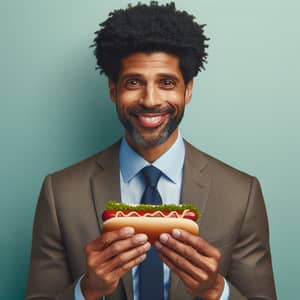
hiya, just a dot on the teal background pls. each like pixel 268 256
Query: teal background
pixel 55 111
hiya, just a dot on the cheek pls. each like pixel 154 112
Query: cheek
pixel 126 99
pixel 125 105
pixel 176 99
pixel 178 106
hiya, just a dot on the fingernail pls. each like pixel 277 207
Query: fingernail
pixel 176 233
pixel 163 238
pixel 127 231
pixel 158 245
pixel 140 238
pixel 147 246
pixel 143 257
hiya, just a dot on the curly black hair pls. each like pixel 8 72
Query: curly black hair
pixel 150 28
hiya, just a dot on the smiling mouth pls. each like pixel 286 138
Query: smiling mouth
pixel 151 120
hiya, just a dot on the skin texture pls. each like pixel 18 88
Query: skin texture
pixel 151 85
pixel 109 257
pixel 195 262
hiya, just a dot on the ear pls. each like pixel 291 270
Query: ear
pixel 188 91
pixel 112 90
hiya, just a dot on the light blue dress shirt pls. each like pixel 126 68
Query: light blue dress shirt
pixel 132 187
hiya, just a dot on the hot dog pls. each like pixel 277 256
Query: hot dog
pixel 151 219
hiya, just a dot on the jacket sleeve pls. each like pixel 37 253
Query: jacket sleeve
pixel 49 276
pixel 250 275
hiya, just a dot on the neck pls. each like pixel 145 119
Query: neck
pixel 152 153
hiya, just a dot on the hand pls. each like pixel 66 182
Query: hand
pixel 194 260
pixel 109 257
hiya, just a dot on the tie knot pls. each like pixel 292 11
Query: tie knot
pixel 151 175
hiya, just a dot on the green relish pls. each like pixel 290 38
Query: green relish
pixel 114 205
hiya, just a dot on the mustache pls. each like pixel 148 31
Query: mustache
pixel 136 110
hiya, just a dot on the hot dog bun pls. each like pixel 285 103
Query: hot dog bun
pixel 152 227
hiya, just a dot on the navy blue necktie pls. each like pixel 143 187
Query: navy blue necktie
pixel 151 281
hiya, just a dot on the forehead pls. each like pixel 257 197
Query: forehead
pixel 150 64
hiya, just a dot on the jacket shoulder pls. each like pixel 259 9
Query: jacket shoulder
pixel 213 166
pixel 86 168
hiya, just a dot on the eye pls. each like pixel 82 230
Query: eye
pixel 167 83
pixel 133 83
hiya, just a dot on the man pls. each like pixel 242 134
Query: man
pixel 150 54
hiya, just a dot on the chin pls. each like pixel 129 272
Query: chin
pixel 150 141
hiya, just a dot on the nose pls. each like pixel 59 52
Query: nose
pixel 150 96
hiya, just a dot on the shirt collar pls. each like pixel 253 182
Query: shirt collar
pixel 170 163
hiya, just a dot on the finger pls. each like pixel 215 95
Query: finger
pixel 107 238
pixel 188 281
pixel 184 250
pixel 182 263
pixel 121 270
pixel 116 248
pixel 197 242
pixel 125 257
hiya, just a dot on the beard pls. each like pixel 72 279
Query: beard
pixel 149 137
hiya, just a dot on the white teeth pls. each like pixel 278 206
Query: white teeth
pixel 151 119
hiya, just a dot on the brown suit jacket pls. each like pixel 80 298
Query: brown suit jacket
pixel 68 215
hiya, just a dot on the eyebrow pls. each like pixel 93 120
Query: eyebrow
pixel 169 75
pixel 138 75
pixel 130 75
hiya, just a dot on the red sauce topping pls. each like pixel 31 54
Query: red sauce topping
pixel 187 214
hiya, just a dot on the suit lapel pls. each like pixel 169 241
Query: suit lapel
pixel 195 190
pixel 105 185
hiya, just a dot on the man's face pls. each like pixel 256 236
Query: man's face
pixel 150 97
